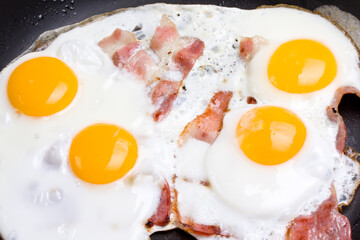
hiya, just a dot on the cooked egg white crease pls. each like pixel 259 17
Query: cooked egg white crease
pixel 48 192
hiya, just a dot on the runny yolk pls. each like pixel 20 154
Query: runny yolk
pixel 270 135
pixel 42 86
pixel 102 153
pixel 302 66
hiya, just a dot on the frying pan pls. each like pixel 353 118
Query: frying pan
pixel 22 21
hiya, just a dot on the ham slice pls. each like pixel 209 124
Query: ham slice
pixel 206 127
pixel 325 223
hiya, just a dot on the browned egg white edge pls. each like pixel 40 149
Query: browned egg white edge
pixel 46 38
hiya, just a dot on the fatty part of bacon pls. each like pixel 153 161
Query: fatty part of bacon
pixel 206 127
pixel 325 223
pixel 162 215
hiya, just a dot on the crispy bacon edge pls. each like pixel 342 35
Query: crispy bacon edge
pixel 206 127
pixel 162 215
pixel 333 115
pixel 325 223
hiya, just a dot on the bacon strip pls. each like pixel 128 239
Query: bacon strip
pixel 180 55
pixel 117 40
pixel 333 115
pixel 162 215
pixel 124 49
pixel 142 65
pixel 206 127
pixel 163 97
pixel 325 223
pixel 187 56
pixel 122 56
pixel 248 47
pixel 165 36
pixel 166 91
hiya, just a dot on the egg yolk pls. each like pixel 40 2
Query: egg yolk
pixel 102 153
pixel 270 135
pixel 42 86
pixel 302 66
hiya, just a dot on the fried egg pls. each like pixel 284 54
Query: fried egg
pixel 303 62
pixel 260 156
pixel 267 166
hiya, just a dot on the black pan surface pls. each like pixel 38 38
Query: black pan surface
pixel 22 21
